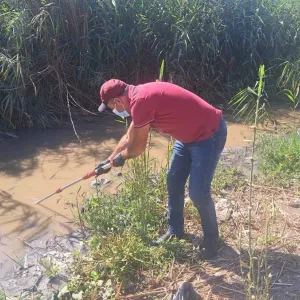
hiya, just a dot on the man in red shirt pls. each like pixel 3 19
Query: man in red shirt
pixel 200 133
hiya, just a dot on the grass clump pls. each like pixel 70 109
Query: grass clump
pixel 227 177
pixel 120 262
pixel 138 205
pixel 2 295
pixel 279 161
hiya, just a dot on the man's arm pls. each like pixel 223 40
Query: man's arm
pixel 137 141
pixel 133 143
pixel 123 143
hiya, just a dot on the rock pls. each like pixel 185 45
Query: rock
pixel 295 203
pixel 186 291
pixel 223 209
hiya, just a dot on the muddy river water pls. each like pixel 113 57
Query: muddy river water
pixel 39 161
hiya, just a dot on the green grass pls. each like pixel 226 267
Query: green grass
pixel 124 226
pixel 139 204
pixel 279 161
pixel 121 258
pixel 227 178
pixel 2 295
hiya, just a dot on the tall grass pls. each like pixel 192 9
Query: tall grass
pixel 54 55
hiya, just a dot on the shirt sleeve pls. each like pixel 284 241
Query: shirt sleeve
pixel 142 112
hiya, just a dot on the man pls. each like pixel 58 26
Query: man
pixel 200 133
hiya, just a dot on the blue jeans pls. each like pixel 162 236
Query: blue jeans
pixel 199 161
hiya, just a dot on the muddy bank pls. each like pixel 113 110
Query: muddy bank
pixel 44 268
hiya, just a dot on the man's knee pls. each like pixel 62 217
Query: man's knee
pixel 200 198
pixel 175 178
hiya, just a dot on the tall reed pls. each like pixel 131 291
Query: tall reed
pixel 54 55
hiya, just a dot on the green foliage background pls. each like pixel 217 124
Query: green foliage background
pixel 54 55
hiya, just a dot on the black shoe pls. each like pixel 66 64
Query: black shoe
pixel 209 247
pixel 167 237
pixel 186 291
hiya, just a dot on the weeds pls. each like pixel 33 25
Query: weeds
pixel 251 108
pixel 279 158
pixel 139 204
pixel 50 267
pixel 2 295
pixel 123 227
pixel 227 178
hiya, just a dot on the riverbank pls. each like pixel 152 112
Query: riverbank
pixel 38 162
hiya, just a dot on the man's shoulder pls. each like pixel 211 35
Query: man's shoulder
pixel 149 89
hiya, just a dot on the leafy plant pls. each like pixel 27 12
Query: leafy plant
pixel 289 82
pixel 138 205
pixel 2 295
pixel 244 103
pixel 51 269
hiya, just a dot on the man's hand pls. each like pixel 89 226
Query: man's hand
pixel 117 161
pixel 99 170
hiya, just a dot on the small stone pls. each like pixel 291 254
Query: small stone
pixel 295 203
pixel 224 211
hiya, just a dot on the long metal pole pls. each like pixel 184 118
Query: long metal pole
pixel 86 176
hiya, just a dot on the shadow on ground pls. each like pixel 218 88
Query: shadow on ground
pixel 222 277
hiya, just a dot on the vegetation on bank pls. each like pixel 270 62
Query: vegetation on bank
pixel 54 55
pixel 123 259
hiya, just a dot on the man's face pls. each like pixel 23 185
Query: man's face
pixel 117 103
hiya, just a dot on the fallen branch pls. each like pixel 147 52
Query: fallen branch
pixel 232 290
pixel 26 243
pixel 149 293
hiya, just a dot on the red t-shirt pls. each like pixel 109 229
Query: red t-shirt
pixel 173 110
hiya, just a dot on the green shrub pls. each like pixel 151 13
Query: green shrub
pixel 116 258
pixel 2 295
pixel 123 229
pixel 138 205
